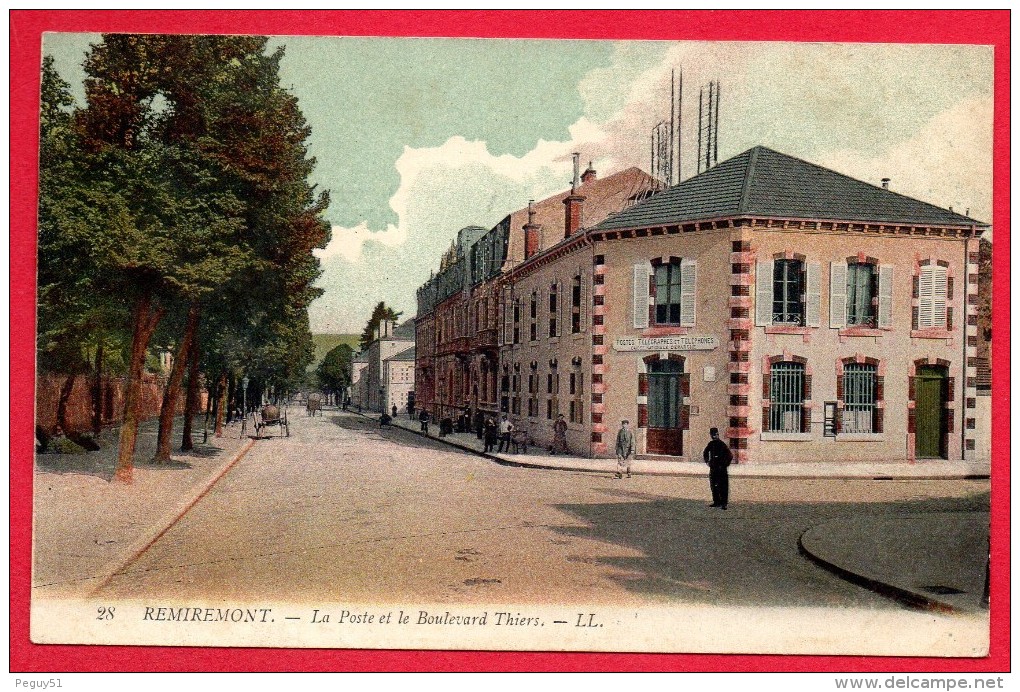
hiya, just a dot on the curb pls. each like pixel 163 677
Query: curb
pixel 734 473
pixel 910 599
pixel 169 520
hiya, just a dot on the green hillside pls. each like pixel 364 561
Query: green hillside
pixel 324 343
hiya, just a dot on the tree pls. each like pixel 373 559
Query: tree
pixel 184 197
pixel 334 372
pixel 380 313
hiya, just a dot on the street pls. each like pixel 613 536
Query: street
pixel 342 510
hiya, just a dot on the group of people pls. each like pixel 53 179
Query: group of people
pixel 717 455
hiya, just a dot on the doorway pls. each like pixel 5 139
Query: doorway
pixel 930 412
pixel 665 401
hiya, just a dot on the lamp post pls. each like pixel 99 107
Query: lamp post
pixel 244 394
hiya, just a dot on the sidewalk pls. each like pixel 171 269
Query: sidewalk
pixel 540 459
pixel 933 561
pixel 86 526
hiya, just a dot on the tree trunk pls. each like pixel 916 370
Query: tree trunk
pixel 221 404
pixel 97 393
pixel 173 389
pixel 65 395
pixel 192 403
pixel 145 320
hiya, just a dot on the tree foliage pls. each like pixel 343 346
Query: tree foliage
pixel 180 188
pixel 380 313
pixel 334 372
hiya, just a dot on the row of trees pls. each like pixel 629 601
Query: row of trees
pixel 176 212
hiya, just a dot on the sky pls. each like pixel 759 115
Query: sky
pixel 417 138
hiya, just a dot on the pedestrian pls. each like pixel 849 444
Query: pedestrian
pixel 559 436
pixel 624 449
pixel 718 457
pixel 394 410
pixel 424 418
pixel 490 434
pixel 479 423
pixel 506 428
pixel 385 419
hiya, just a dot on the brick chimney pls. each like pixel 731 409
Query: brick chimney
pixel 532 232
pixel 574 202
pixel 589 175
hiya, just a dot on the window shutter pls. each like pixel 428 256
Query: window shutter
pixel 837 294
pixel 505 313
pixel 885 291
pixel 640 296
pixel 561 313
pixel 813 308
pixel 688 292
pixel 763 294
pixel 925 296
pixel 584 302
pixel 939 296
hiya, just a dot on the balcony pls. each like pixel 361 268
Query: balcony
pixel 461 344
pixel 485 339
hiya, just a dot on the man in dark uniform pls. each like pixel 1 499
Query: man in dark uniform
pixel 718 458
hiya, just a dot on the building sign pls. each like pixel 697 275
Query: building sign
pixel 667 343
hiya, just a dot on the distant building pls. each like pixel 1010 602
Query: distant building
pixel 398 379
pixel 359 383
pixel 390 340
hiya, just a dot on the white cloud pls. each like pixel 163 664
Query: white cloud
pixel 846 107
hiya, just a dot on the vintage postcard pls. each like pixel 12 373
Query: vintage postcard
pixel 509 344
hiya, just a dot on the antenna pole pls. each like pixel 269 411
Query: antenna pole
pixel 701 98
pixel 680 130
pixel 672 103
pixel 715 128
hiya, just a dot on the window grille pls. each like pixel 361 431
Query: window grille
pixel 859 402
pixel 788 292
pixel 786 391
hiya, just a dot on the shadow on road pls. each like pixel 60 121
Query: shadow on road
pixel 746 555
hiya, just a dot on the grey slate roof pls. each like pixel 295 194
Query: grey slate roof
pixel 406 354
pixel 405 331
pixel 765 183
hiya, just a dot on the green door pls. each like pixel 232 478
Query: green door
pixel 929 412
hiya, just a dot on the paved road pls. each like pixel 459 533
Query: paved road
pixel 344 511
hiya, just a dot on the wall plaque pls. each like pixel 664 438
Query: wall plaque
pixel 667 343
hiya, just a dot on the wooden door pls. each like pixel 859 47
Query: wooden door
pixel 930 413
pixel 665 401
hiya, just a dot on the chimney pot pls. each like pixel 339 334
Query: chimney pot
pixel 589 175
pixel 885 183
pixel 577 172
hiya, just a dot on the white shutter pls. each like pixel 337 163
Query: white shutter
pixel 837 294
pixel 813 307
pixel 940 290
pixel 925 294
pixel 688 292
pixel 763 293
pixel 511 303
pixel 640 296
pixel 584 302
pixel 561 311
pixel 885 294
